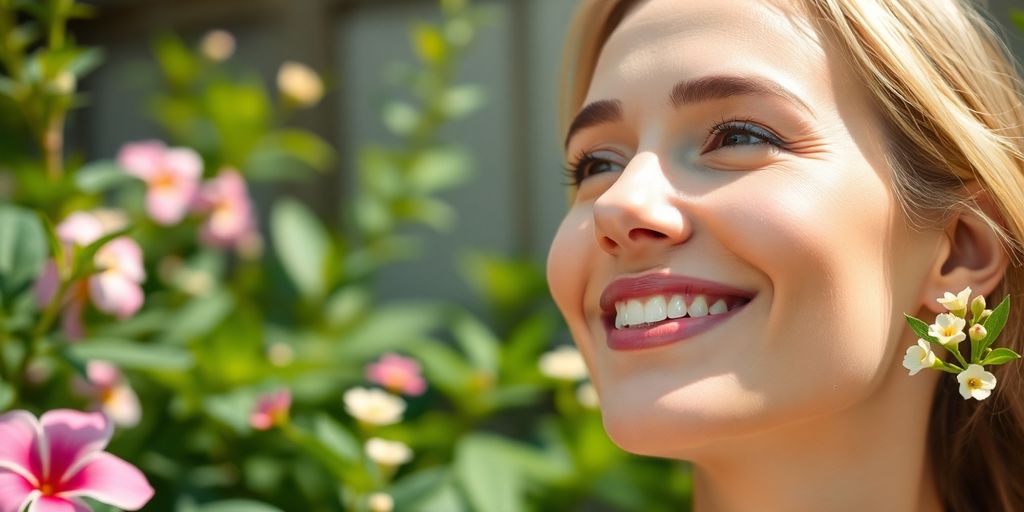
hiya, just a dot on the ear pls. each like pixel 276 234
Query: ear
pixel 970 254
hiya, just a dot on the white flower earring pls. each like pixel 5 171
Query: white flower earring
pixel 948 332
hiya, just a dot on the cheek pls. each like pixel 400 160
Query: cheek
pixel 568 264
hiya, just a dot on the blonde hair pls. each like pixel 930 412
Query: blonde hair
pixel 950 97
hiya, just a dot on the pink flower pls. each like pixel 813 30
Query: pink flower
pixel 271 409
pixel 398 374
pixel 225 200
pixel 110 392
pixel 171 174
pixel 47 465
pixel 115 288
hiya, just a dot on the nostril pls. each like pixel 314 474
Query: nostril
pixel 642 233
pixel 608 244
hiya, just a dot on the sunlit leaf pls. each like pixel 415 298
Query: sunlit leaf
pixel 302 244
pixel 131 354
pixel 237 505
pixel 23 250
pixel 101 175
pixel 489 485
pixel 439 169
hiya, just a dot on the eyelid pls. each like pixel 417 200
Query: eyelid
pixel 744 125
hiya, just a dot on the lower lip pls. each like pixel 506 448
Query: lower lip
pixel 664 333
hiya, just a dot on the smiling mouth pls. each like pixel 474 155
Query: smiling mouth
pixel 659 309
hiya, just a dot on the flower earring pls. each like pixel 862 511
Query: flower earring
pixel 948 332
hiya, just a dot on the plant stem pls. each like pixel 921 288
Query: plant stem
pixel 53 146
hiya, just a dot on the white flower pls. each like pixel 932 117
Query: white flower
pixel 374 406
pixel 388 453
pixel 976 383
pixel 919 357
pixel 563 363
pixel 381 502
pixel 217 45
pixel 956 302
pixel 948 329
pixel 587 396
pixel 300 83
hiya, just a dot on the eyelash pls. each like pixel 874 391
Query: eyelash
pixel 574 171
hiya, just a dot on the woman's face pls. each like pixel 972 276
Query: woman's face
pixel 731 171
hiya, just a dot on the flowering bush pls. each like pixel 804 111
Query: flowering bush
pixel 240 349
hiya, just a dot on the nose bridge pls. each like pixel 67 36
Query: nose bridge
pixel 639 209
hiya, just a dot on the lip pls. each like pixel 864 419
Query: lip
pixel 671 330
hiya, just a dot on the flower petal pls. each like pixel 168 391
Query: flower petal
pixel 115 294
pixel 111 480
pixel 71 436
pixel 19 452
pixel 143 158
pixel 14 491
pixel 58 504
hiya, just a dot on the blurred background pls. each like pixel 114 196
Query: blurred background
pixel 294 250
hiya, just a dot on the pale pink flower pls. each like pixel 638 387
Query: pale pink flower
pixel 48 465
pixel 116 286
pixel 171 174
pixel 398 374
pixel 225 201
pixel 110 393
pixel 271 409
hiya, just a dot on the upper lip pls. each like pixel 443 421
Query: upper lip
pixel 655 284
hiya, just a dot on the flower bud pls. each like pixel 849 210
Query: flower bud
pixel 300 84
pixel 978 332
pixel 977 306
pixel 984 315
pixel 381 502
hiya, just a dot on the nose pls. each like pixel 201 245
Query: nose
pixel 639 212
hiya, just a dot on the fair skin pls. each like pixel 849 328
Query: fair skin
pixel 795 400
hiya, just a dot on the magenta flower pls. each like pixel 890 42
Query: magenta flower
pixel 271 409
pixel 398 374
pixel 225 201
pixel 116 286
pixel 47 465
pixel 110 393
pixel 171 174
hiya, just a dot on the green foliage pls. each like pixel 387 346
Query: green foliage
pixel 223 325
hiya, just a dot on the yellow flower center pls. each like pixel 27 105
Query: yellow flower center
pixel 949 330
pixel 46 488
pixel 974 383
pixel 165 180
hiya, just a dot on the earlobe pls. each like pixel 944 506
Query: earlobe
pixel 971 254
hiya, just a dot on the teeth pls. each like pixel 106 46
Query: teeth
pixel 699 307
pixel 676 307
pixel 654 310
pixel 634 313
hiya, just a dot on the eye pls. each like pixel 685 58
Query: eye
pixel 740 133
pixel 587 164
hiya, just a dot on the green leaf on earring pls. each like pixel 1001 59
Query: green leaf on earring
pixel 995 322
pixel 1000 356
pixel 920 328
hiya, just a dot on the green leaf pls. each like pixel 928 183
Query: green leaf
pixel 429 490
pixel 429 43
pixel 400 118
pixel 995 322
pixel 6 396
pixel 1017 17
pixel 438 169
pixel 1000 356
pixel 305 147
pixel 232 408
pixel 477 341
pixel 302 244
pixel 920 328
pixel 85 259
pixel 179 64
pixel 462 100
pixel 483 470
pixel 101 175
pixel 336 437
pixel 443 366
pixel 23 250
pixel 84 61
pixel 130 354
pixel 237 505
pixel 198 317
pixel 390 327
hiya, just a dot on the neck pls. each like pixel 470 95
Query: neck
pixel 871 456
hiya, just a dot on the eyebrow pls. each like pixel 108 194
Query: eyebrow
pixel 688 92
